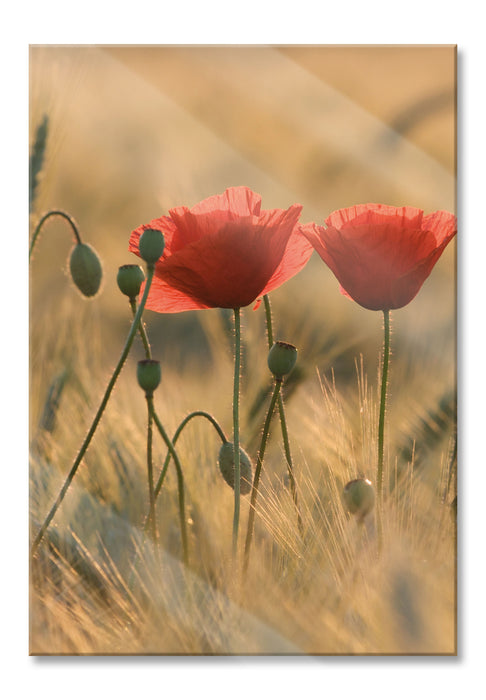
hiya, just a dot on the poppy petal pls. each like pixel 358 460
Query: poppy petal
pixel 224 252
pixel 238 201
pixel 234 204
pixel 442 224
pixel 372 214
pixel 164 298
pixel 296 256
pixel 231 267
pixel 381 255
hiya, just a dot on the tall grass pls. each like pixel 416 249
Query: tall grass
pixel 97 586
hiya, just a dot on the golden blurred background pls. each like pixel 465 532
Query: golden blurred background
pixel 135 130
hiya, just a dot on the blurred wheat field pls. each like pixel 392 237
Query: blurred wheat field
pixel 132 132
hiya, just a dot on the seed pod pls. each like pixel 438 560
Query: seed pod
pixel 359 497
pixel 129 280
pixel 148 375
pixel 151 245
pixel 282 358
pixel 86 269
pixel 226 461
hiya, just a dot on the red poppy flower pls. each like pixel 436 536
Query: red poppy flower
pixel 224 252
pixel 381 255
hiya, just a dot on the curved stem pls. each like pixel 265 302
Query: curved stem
pixel 180 479
pixel 150 470
pixel 208 416
pixel 283 423
pixel 177 433
pixel 54 212
pixel 381 423
pixel 99 413
pixel 170 453
pixel 236 429
pixel 258 469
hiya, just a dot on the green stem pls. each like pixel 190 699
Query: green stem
pixel 209 417
pixel 381 423
pixel 177 433
pixel 258 469
pixel 97 418
pixel 180 479
pixel 268 317
pixel 283 423
pixel 236 429
pixel 54 212
pixel 141 328
pixel 150 470
pixel 146 344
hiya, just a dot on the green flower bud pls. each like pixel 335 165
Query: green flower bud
pixel 129 279
pixel 226 461
pixel 151 245
pixel 86 269
pixel 282 358
pixel 359 497
pixel 148 375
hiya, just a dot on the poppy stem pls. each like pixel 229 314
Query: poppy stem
pixel 258 469
pixel 236 429
pixel 283 422
pixel 381 424
pixel 268 317
pixel 180 479
pixel 99 413
pixel 150 469
pixel 177 433
pixel 160 481
pixel 141 329
pixel 54 212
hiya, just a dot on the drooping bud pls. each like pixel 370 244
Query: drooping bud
pixel 151 245
pixel 129 279
pixel 226 462
pixel 86 269
pixel 282 358
pixel 359 497
pixel 148 375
